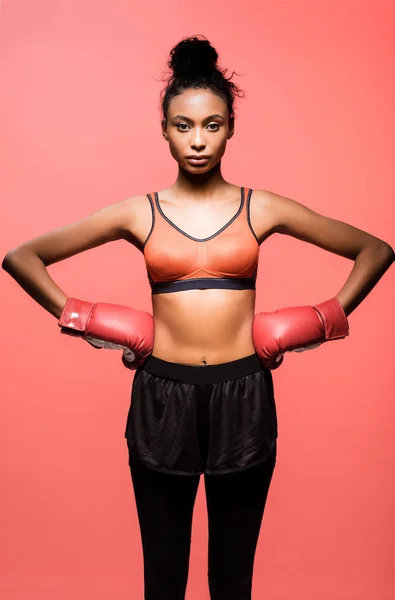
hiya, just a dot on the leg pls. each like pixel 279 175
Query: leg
pixel 235 504
pixel 165 507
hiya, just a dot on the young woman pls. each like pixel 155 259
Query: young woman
pixel 202 397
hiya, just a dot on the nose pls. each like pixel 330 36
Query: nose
pixel 198 140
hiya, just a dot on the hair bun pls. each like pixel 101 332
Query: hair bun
pixel 192 57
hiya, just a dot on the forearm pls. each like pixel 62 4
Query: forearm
pixel 369 266
pixel 30 273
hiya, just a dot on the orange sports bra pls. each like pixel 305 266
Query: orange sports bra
pixel 177 261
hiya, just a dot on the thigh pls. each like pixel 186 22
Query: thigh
pixel 243 423
pixel 235 505
pixel 164 501
pixel 160 427
pixel 165 508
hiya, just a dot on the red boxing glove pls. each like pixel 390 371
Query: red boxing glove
pixel 110 326
pixel 297 328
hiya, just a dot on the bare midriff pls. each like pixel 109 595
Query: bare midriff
pixel 198 327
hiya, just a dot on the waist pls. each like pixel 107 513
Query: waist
pixel 203 373
pixel 211 325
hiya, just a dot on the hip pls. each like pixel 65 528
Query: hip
pixel 206 418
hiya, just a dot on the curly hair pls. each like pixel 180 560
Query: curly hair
pixel 193 64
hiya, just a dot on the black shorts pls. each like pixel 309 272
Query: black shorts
pixel 212 419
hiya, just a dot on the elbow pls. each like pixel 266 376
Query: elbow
pixel 392 257
pixel 10 259
pixel 386 251
pixel 7 260
pixel 389 251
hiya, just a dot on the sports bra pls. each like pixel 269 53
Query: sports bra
pixel 176 261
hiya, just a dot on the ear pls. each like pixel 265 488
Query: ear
pixel 231 127
pixel 164 129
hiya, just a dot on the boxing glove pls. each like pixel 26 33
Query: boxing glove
pixel 296 329
pixel 110 326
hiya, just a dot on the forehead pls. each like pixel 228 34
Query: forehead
pixel 197 103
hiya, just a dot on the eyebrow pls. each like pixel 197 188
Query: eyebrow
pixel 215 116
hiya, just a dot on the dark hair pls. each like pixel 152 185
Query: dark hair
pixel 193 63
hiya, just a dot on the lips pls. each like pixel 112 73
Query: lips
pixel 198 162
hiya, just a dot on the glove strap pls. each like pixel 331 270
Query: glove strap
pixel 334 319
pixel 76 314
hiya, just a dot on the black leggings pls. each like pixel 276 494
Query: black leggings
pixel 235 506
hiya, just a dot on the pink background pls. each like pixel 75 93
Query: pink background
pixel 80 129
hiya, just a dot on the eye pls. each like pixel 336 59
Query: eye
pixel 185 125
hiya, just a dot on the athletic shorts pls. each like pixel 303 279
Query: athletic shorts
pixel 213 419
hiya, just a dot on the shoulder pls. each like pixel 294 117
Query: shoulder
pixel 137 219
pixel 265 199
pixel 125 215
pixel 266 207
pixel 281 211
pixel 136 206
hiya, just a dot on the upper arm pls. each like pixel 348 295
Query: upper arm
pixel 104 225
pixel 289 217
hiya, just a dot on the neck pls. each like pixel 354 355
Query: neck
pixel 199 186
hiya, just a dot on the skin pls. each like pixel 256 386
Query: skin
pixel 200 326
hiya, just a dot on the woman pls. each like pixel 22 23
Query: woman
pixel 202 397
